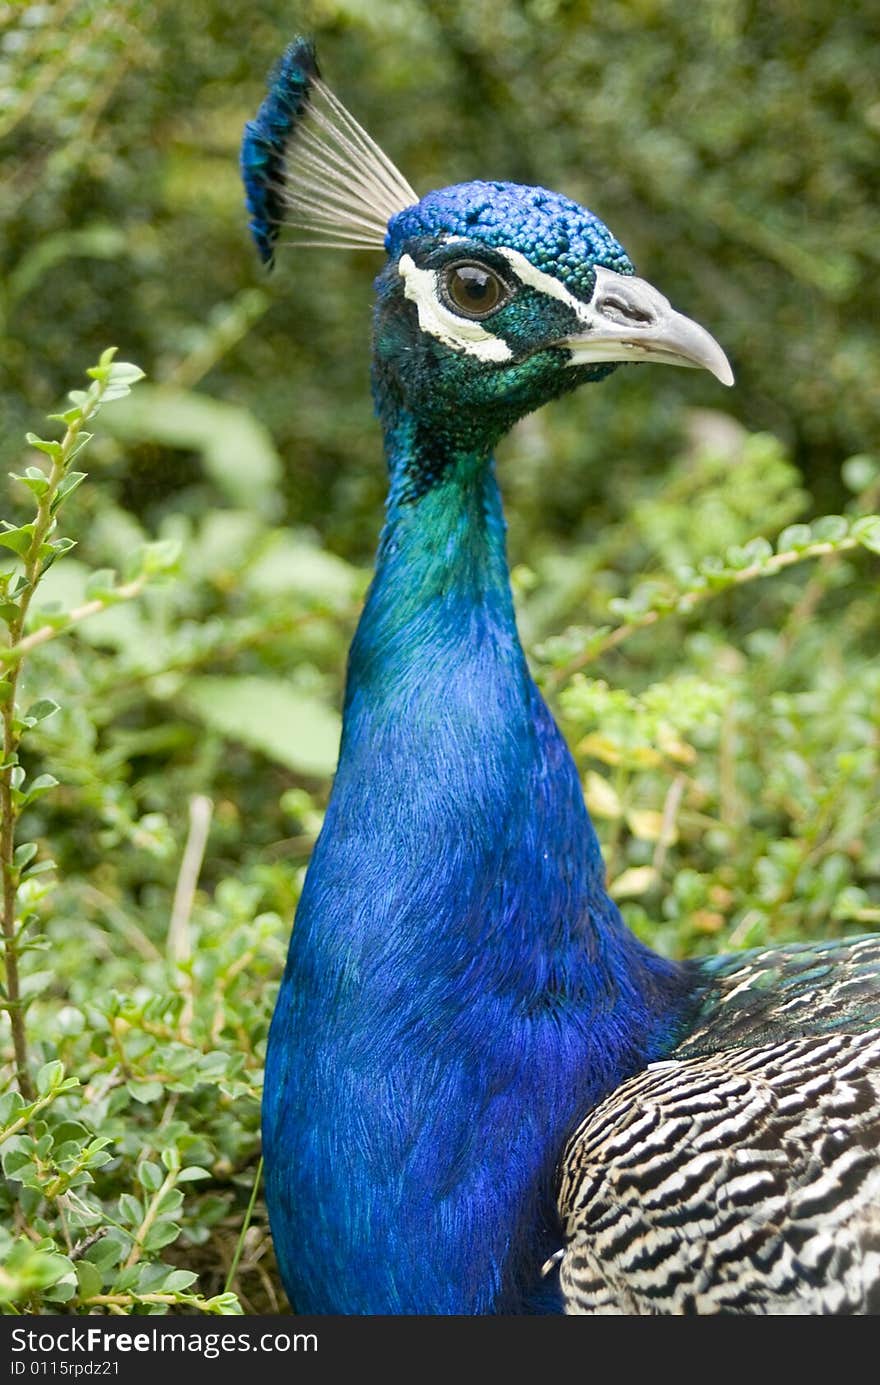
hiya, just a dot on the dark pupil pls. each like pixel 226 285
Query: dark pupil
pixel 473 289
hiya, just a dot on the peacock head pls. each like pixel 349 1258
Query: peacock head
pixel 494 297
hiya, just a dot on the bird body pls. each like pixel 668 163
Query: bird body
pixel 462 1001
pixel 459 986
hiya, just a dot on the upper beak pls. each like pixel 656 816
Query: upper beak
pixel 627 319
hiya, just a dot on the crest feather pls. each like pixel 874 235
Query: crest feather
pixel 308 164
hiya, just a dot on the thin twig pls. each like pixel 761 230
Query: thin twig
pixel 684 604
pixel 233 1268
pixel 671 806
pixel 79 613
pixel 179 936
pixel 150 1216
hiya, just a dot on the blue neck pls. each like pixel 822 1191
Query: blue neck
pixel 460 989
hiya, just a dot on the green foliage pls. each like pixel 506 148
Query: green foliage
pixel 78 1244
pixel 731 148
pixel 171 687
pixel 730 749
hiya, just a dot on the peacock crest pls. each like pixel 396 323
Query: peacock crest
pixel 309 165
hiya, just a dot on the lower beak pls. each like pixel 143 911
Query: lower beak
pixel 629 320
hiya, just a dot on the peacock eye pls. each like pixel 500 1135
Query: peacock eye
pixel 473 290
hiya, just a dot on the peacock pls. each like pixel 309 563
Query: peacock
pixel 483 1094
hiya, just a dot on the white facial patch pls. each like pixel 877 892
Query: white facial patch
pixel 526 272
pixel 420 287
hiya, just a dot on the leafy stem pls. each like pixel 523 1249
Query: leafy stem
pixel 755 560
pixel 51 630
pixel 35 549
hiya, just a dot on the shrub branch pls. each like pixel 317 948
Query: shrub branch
pixel 36 550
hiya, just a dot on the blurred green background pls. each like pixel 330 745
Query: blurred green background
pixel 732 147
pixel 730 755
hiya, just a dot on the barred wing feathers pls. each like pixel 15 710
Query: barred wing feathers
pixel 768 995
pixel 746 1182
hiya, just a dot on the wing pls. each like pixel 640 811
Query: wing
pixel 792 991
pixel 744 1182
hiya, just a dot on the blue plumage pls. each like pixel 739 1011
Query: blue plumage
pixel 266 139
pixel 460 990
pixel 553 232
pixel 459 986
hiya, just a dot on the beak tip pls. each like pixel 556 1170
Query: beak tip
pixel 725 375
pixel 714 360
pixel 705 352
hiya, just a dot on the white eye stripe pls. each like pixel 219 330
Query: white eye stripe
pixel 435 318
pixel 471 337
pixel 534 278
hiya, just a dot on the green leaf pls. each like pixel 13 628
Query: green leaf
pixel 89 1278
pixel 29 1269
pixel 867 531
pixel 108 1251
pixel 19 540
pixel 83 439
pixel 124 373
pixel 291 563
pixel 37 484
pixel 59 546
pixel 42 784
pixel 112 391
pixel 24 854
pixel 150 1176
pixel 161 1235
pixel 795 538
pixel 73 480
pixel 178 1280
pixel 127 1278
pixel 159 557
pixel 170 1203
pixel 830 529
pixel 14 1161
pixel 50 1077
pixel 145 1091
pixel 41 709
pixel 860 472
pixel 131 1210
pixel 70 1130
pixel 10 1106
pixel 759 550
pixel 267 714
pixel 63 1290
pixel 52 449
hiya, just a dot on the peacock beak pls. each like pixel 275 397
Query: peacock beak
pixel 627 319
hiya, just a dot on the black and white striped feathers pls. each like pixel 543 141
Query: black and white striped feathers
pixel 740 1179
